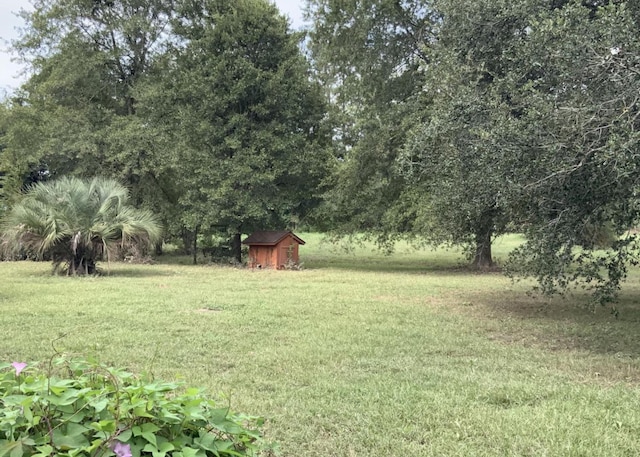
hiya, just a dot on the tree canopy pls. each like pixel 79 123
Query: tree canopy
pixel 244 121
pixel 578 176
pixel 368 56
pixel 510 122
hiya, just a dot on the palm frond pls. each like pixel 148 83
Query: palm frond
pixel 71 219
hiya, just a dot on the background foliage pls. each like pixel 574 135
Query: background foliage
pixel 507 121
pixel 447 122
pixel 204 110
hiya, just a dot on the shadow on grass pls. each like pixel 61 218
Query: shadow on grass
pixel 133 271
pixel 445 266
pixel 376 263
pixel 406 257
pixel 561 323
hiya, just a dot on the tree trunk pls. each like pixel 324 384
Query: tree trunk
pixel 195 245
pixel 158 248
pixel 187 240
pixel 483 257
pixel 81 266
pixel 236 247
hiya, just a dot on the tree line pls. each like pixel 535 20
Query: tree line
pixel 442 121
pixel 203 109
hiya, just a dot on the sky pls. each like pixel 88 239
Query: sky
pixel 10 24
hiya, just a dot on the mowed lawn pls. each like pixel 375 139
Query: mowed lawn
pixel 357 354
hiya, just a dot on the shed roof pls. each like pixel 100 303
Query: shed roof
pixel 270 238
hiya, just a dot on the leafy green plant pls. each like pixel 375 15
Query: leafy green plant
pixel 76 222
pixel 72 408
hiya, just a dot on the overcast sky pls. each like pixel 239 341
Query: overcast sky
pixel 10 24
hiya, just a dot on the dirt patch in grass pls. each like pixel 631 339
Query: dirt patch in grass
pixel 209 310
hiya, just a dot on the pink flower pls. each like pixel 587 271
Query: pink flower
pixel 19 366
pixel 121 449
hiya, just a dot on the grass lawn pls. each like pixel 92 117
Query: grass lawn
pixel 358 354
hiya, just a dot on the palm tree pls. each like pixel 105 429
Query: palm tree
pixel 75 222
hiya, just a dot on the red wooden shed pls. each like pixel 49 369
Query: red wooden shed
pixel 273 249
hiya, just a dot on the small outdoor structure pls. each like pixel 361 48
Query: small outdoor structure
pixel 273 249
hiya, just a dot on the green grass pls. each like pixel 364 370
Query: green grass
pixel 358 354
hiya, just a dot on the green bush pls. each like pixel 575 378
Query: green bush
pixel 83 408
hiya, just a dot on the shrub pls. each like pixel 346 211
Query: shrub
pixel 75 408
pixel 76 222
